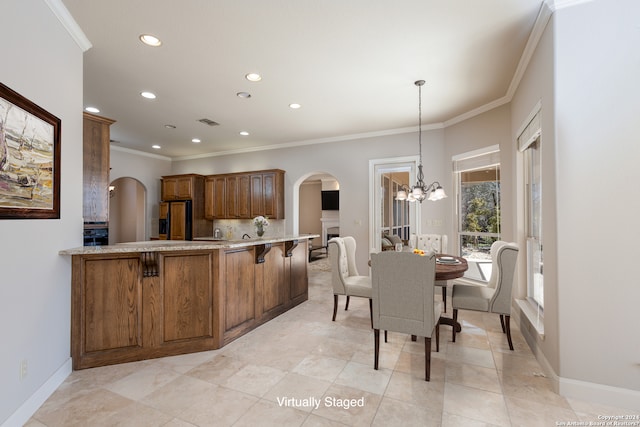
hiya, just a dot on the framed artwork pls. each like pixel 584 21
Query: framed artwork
pixel 29 159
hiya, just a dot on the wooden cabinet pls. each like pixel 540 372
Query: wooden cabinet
pixel 215 197
pixel 267 194
pixel 120 313
pixel 95 162
pixel 245 195
pixel 180 187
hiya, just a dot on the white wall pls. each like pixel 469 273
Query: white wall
pixel 310 208
pixel 42 63
pixel 597 57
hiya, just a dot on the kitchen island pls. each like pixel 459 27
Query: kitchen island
pixel 141 300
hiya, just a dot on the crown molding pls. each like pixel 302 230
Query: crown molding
pixel 70 24
pixel 139 153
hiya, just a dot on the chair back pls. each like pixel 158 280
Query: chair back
pixel 402 292
pixel 430 242
pixel 503 260
pixel 342 254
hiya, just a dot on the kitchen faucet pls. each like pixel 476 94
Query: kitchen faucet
pixel 245 235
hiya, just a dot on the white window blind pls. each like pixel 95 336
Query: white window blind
pixel 530 133
pixel 477 160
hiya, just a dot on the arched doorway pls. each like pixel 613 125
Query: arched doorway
pixel 311 214
pixel 127 206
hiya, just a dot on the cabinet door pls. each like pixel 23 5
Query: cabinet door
pixel 239 289
pixel 187 292
pixel 269 194
pixel 214 197
pixel 177 221
pixel 185 188
pixel 271 279
pixel 257 196
pixel 95 168
pixel 243 196
pixel 169 189
pixel 231 187
pixel 299 281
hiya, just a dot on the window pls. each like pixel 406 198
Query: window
pixel 478 213
pixel 529 144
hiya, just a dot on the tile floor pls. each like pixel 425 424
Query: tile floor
pixel 278 373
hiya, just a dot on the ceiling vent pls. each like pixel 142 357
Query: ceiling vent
pixel 209 122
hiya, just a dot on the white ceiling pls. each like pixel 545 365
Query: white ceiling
pixel 351 64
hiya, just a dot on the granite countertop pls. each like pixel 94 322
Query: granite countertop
pixel 199 243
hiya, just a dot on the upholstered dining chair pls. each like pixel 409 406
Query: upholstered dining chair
pixel 344 274
pixel 439 244
pixel 402 285
pixel 496 296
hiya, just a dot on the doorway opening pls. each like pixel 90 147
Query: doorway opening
pixel 386 215
pixel 127 211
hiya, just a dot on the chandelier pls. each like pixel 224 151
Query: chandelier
pixel 420 190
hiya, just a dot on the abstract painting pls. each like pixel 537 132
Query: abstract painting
pixel 29 159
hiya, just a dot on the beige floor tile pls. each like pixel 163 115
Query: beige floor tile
pixel 322 368
pixel 316 421
pixel 255 379
pixel 220 407
pixel 532 388
pixel 135 415
pixel 451 420
pixel 176 422
pixel 393 412
pixel 527 413
pixel 302 389
pixel 84 410
pixel 174 396
pixel 269 414
pixel 143 382
pixel 512 363
pixel 474 356
pixel 476 404
pixel 473 376
pixel 364 377
pixel 589 411
pixel 417 391
pixel 413 364
pixel 217 370
pixel 334 405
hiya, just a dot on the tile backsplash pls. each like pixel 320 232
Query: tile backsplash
pixel 234 229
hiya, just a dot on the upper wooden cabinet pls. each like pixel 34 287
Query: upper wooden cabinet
pixel 180 187
pixel 245 195
pixel 95 161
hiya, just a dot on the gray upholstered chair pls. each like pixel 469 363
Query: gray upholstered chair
pixel 344 274
pixel 438 244
pixel 403 285
pixel 496 296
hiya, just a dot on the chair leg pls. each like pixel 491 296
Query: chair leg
pixel 346 306
pixel 444 297
pixel 385 335
pixel 455 320
pixel 376 347
pixel 502 323
pixel 371 312
pixel 438 336
pixel 427 358
pixel 507 321
pixel 335 306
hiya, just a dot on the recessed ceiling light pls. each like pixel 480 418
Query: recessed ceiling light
pixel 148 95
pixel 170 126
pixel 150 40
pixel 157 147
pixel 244 133
pixel 253 77
pixel 243 95
pixel 295 106
pixel 92 110
pixel 196 141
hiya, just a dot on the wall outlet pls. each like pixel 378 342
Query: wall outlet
pixel 24 369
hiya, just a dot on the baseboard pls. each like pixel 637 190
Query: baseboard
pixel 600 393
pixel 28 408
